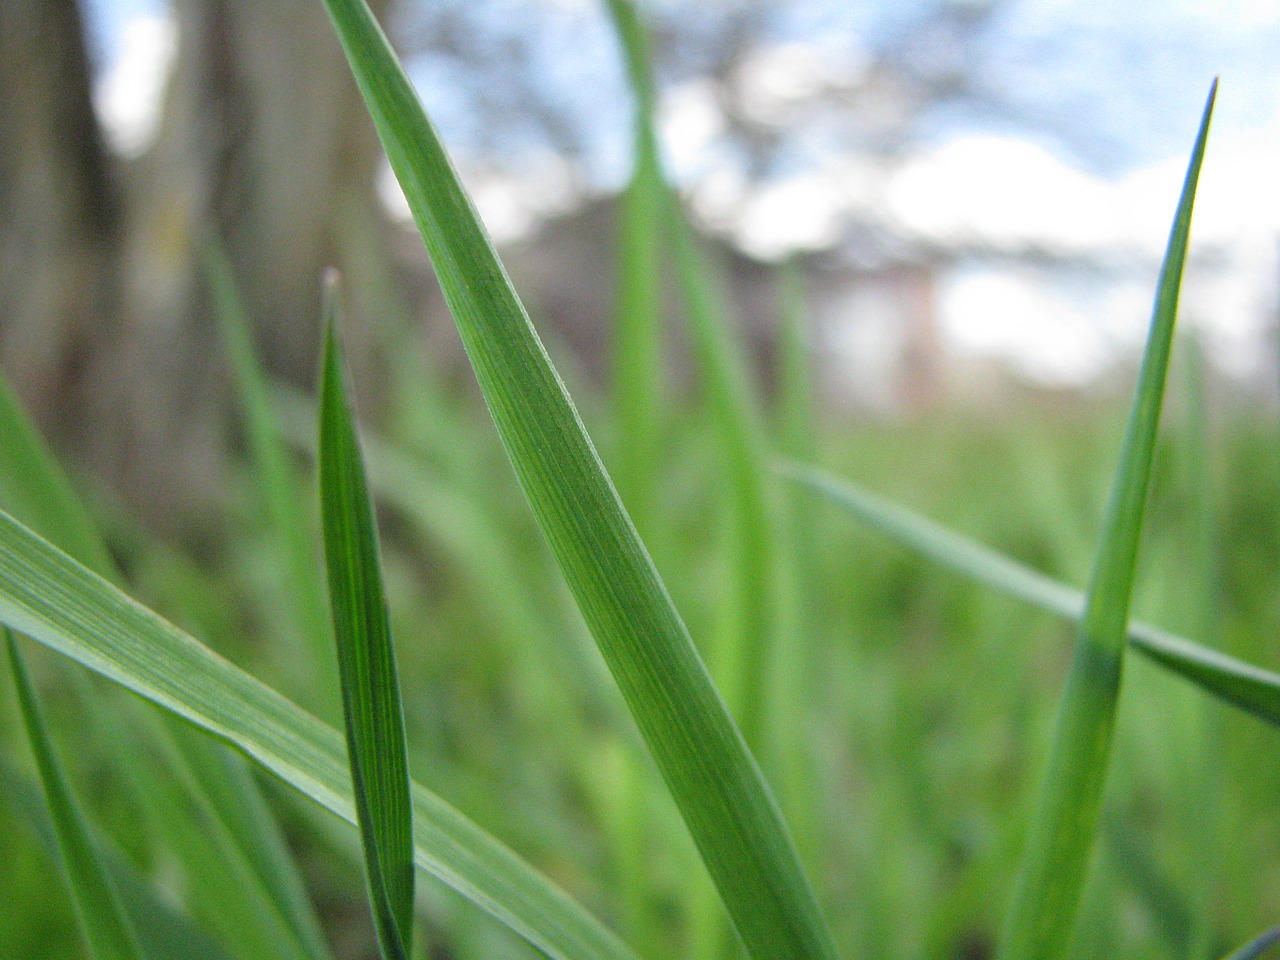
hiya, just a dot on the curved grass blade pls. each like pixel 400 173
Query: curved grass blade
pixel 103 921
pixel 52 599
pixel 374 716
pixel 1241 684
pixel 1046 895
pixel 703 758
pixel 163 932
pixel 34 486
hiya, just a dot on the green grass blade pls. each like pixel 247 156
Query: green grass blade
pixel 374 716
pixel 52 599
pixel 1244 685
pixel 757 649
pixel 753 623
pixel 743 649
pixel 222 782
pixel 1055 861
pixel 793 656
pixel 163 932
pixel 746 650
pixel 638 379
pixel 711 774
pixel 452 514
pixel 219 883
pixel 638 407
pixel 34 486
pixel 275 481
pixel 103 921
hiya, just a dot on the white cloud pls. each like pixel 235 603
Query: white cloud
pixel 689 121
pixel 773 79
pixel 797 214
pixel 1050 335
pixel 1002 192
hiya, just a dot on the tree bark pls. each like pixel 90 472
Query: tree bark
pixel 106 324
pixel 265 146
pixel 59 216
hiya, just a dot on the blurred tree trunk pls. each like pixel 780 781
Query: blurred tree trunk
pixel 59 216
pixel 262 142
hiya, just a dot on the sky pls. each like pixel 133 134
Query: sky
pixel 1101 101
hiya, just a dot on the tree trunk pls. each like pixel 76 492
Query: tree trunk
pixel 105 323
pixel 265 145
pixel 59 216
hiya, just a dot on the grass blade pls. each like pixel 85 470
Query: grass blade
pixel 744 646
pixel 103 921
pixel 742 650
pixel 1056 857
pixel 52 599
pixel 374 716
pixel 793 654
pixel 758 647
pixel 274 481
pixel 222 782
pixel 711 774
pixel 221 887
pixel 750 607
pixel 452 514
pixel 163 932
pixel 34 488
pixel 638 378
pixel 638 405
pixel 33 485
pixel 1244 685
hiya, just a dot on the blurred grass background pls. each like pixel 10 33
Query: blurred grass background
pixel 929 699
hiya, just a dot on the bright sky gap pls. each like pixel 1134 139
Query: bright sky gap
pixel 965 186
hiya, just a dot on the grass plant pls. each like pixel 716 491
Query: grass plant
pixel 837 680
